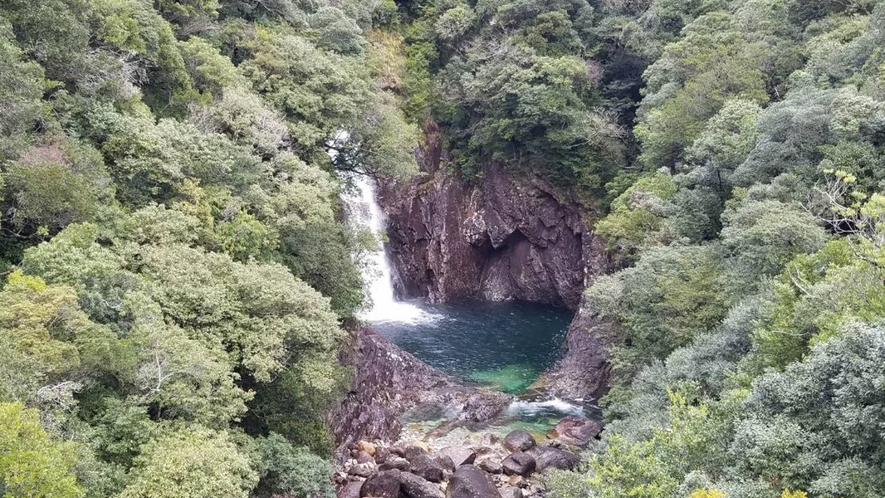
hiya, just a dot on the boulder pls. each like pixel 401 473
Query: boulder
pixel 425 466
pixel 445 461
pixel 459 455
pixel 576 431
pixel 413 451
pixel 490 464
pixel 381 454
pixel 519 464
pixel 519 440
pixel 363 457
pixel 349 490
pixel 483 406
pixel 471 482
pixel 367 447
pixel 549 457
pixel 413 486
pixel 382 485
pixel 510 492
pixel 395 462
pixel 363 469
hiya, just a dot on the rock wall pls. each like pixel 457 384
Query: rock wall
pixel 584 372
pixel 506 238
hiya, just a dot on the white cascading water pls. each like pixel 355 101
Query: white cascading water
pixel 554 406
pixel 365 212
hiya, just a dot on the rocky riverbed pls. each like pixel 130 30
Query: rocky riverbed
pixel 462 464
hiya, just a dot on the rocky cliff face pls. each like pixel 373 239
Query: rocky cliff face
pixel 389 384
pixel 584 371
pixel 506 238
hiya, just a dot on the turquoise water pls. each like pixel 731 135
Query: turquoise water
pixel 503 345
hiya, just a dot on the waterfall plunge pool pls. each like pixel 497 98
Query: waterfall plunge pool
pixel 504 345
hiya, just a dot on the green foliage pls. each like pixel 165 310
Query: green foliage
pixel 32 464
pixel 670 296
pixel 314 89
pixel 639 215
pixel 765 235
pixel 49 192
pixel 21 89
pixel 630 470
pixel 42 322
pixel 177 262
pixel 294 471
pixel 191 463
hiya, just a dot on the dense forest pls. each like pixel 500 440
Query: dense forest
pixel 179 276
pixel 176 266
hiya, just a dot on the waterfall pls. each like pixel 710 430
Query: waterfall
pixel 364 212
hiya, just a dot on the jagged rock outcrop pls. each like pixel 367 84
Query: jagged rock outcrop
pixel 584 371
pixel 506 238
pixel 388 383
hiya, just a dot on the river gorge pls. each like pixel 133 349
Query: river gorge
pixel 475 327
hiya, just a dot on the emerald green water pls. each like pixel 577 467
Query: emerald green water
pixel 503 345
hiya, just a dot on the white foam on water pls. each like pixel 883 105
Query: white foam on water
pixel 554 406
pixel 364 212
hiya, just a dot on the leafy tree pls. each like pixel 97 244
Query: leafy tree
pixel 191 463
pixel 295 471
pixel 32 464
pixel 765 235
pixel 21 89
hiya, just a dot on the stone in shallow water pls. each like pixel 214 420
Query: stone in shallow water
pixel 512 379
pixel 471 482
pixel 519 440
pixel 519 463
